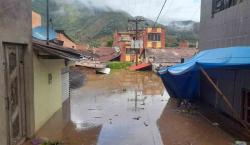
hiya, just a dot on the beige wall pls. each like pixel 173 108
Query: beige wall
pixel 15 27
pixel 47 97
pixel 36 19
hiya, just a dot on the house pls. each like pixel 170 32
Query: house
pixel 16 77
pixel 34 75
pixel 148 38
pixel 154 38
pixel 169 56
pixel 105 54
pixel 217 78
pixel 226 24
pixel 51 79
pixel 122 40
pixel 184 44
pixel 65 39
pixel 61 37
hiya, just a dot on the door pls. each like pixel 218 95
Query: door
pixel 15 92
pixel 246 106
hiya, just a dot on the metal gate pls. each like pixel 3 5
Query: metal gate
pixel 15 92
pixel 65 86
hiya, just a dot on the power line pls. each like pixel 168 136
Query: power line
pixel 169 6
pixel 160 11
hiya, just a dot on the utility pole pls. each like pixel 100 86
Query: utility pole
pixel 47 22
pixel 136 21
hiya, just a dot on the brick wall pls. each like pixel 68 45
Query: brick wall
pixel 36 19
pixel 67 42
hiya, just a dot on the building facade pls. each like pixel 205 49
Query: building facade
pixel 154 38
pixel 16 77
pixel 148 38
pixel 36 20
pixel 67 41
pixel 224 24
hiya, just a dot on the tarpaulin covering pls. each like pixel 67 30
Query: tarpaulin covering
pixel 41 33
pixel 183 80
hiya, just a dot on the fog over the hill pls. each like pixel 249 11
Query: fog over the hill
pixel 174 9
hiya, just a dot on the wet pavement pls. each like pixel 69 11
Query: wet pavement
pixel 128 108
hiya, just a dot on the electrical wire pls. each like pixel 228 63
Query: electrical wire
pixel 160 12
pixel 168 8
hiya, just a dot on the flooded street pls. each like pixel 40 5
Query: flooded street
pixel 128 108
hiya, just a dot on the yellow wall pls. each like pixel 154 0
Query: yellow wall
pixel 47 97
pixel 128 57
pixel 149 44
pixel 149 30
pixel 159 30
pixel 158 44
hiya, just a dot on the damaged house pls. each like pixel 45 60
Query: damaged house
pixel 218 76
pixel 34 74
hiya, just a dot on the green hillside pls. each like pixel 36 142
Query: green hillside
pixel 96 26
pixel 80 22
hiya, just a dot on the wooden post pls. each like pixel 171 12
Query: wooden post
pixel 217 89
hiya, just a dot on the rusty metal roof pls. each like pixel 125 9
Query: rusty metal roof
pixel 106 53
pixel 170 55
pixel 56 50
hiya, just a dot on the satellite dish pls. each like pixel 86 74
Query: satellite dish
pixel 41 33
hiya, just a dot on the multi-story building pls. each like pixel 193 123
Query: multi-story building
pixel 154 38
pixel 226 24
pixel 148 38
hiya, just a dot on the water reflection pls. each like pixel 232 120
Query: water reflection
pixel 126 104
pixel 127 108
pixel 117 109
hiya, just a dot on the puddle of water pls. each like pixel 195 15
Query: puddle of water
pixel 126 105
pixel 127 108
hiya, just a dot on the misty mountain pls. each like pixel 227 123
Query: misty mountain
pixel 95 25
pixel 182 30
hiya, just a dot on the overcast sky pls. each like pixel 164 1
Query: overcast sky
pixel 174 9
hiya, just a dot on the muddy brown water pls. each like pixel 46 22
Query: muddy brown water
pixel 128 108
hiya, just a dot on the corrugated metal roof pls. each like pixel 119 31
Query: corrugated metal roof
pixel 59 51
pixel 170 55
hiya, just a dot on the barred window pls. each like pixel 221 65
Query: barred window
pixel 220 5
pixel 154 37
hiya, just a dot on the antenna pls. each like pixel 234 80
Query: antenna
pixel 47 22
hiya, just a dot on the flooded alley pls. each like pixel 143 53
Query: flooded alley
pixel 128 108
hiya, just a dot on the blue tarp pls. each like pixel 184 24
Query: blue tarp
pixel 183 80
pixel 41 33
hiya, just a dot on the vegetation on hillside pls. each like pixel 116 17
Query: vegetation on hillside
pixel 96 26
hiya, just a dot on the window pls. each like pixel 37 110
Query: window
pixel 154 37
pixel 220 5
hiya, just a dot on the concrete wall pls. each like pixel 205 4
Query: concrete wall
pixel 47 96
pixel 231 83
pixel 229 27
pixel 15 27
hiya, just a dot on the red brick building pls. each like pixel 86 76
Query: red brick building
pixel 149 38
pixel 154 38
pixel 184 44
